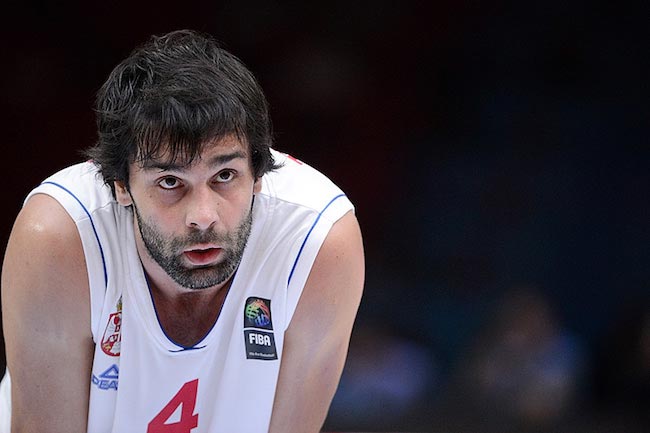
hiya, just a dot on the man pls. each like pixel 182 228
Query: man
pixel 188 278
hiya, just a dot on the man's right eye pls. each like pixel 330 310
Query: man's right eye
pixel 169 183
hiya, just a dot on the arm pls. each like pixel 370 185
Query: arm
pixel 46 313
pixel 316 342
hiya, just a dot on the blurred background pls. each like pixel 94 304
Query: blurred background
pixel 498 158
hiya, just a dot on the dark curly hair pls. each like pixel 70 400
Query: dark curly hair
pixel 169 97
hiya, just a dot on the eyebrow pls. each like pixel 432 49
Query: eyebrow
pixel 215 161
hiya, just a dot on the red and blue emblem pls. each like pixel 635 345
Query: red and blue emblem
pixel 112 339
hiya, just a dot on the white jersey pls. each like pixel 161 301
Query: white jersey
pixel 142 381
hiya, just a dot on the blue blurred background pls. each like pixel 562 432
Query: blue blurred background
pixel 497 155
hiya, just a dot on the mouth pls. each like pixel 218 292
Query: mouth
pixel 202 256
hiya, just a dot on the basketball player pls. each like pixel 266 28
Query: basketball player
pixel 188 278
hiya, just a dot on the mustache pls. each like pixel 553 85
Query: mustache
pixel 201 237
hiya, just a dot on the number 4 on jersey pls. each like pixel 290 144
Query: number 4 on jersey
pixel 185 397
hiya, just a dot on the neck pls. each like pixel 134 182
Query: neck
pixel 187 316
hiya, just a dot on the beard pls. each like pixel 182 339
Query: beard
pixel 167 252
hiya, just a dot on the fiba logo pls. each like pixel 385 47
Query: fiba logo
pixel 259 342
pixel 258 312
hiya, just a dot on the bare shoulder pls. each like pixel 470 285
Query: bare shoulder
pixel 46 316
pixel 44 243
pixel 335 283
pixel 41 219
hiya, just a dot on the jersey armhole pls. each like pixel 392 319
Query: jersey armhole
pixel 311 244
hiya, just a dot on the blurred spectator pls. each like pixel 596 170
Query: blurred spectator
pixel 385 376
pixel 524 370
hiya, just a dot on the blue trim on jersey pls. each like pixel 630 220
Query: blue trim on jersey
pixel 184 349
pixel 295 263
pixel 101 250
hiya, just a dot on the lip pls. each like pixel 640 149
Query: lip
pixel 202 256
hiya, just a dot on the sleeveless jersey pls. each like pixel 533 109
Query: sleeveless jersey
pixel 144 382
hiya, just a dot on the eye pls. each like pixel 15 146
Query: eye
pixel 225 176
pixel 169 183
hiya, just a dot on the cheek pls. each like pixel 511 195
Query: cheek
pixel 233 217
pixel 234 213
pixel 161 222
pixel 172 223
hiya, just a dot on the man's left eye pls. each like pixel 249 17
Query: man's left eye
pixel 225 176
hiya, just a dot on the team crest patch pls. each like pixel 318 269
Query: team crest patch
pixel 112 339
pixel 258 329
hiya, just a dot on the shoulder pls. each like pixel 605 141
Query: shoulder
pixel 301 202
pixel 47 222
pixel 296 210
pixel 43 238
pixel 79 188
pixel 298 183
pixel 337 275
pixel 333 289
pixel 44 254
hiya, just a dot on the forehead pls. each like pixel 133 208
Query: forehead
pixel 211 152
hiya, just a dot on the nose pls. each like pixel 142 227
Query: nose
pixel 202 208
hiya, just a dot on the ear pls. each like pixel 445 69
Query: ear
pixel 257 186
pixel 122 193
